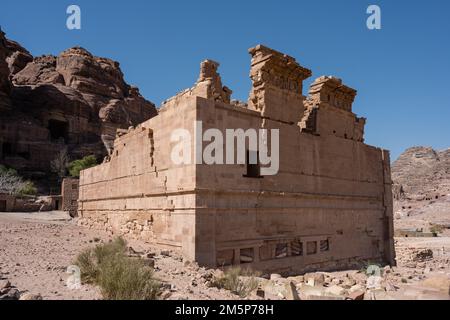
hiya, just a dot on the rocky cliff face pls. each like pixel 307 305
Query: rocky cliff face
pixel 422 188
pixel 5 83
pixel 74 100
pixel 422 173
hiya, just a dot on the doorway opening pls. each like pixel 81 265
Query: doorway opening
pixel 58 130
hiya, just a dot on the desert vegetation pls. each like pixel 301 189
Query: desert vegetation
pixel 75 167
pixel 61 164
pixel 12 183
pixel 239 281
pixel 119 277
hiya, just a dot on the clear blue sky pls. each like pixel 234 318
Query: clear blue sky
pixel 401 72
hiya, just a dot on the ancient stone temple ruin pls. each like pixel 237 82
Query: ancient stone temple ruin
pixel 328 207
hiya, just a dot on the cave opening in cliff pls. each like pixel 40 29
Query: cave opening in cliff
pixel 58 130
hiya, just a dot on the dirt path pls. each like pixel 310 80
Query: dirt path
pixel 35 251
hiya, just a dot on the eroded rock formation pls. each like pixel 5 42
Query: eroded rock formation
pixel 423 173
pixel 73 100
pixel 5 83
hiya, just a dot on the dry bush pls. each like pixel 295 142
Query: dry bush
pixel 238 281
pixel 119 276
pixel 12 183
pixel 122 278
pixel 437 229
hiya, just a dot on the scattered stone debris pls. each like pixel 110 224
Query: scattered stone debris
pixel 30 297
pixel 9 292
pixel 423 255
pixel 183 279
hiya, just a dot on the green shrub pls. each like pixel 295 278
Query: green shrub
pixel 75 167
pixel 118 276
pixel 88 265
pixel 238 281
pixel 122 278
pixel 28 189
pixel 437 229
pixel 370 268
pixel 7 171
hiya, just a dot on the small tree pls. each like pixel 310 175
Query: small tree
pixel 28 189
pixel 12 183
pixel 75 167
pixel 60 163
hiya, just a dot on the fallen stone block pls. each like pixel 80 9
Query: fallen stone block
pixel 291 292
pixel 4 284
pixel 30 297
pixel 314 279
pixel 336 291
pixel 357 295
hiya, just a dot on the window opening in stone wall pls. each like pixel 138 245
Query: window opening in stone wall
pixel 297 248
pixel 324 245
pixel 247 255
pixel 281 251
pixel 225 258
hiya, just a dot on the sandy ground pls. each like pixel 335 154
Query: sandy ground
pixel 422 214
pixel 36 249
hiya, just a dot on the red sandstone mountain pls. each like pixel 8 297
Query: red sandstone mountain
pixel 73 100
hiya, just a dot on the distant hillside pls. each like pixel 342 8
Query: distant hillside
pixel 423 173
pixel 74 101
pixel 422 188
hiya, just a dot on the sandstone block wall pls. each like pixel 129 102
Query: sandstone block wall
pixel 137 192
pixel 329 207
pixel 6 203
pixel 70 194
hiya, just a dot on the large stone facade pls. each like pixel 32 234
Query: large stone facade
pixel 329 206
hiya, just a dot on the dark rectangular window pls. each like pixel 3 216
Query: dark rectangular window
pixel 58 130
pixel 324 245
pixel 297 248
pixel 281 251
pixel 225 258
pixel 25 155
pixel 247 255
pixel 253 167
pixel 2 205
pixel 7 149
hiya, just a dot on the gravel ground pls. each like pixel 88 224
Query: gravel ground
pixel 36 250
